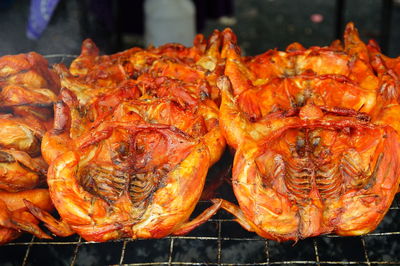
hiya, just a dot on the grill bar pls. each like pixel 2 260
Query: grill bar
pixel 256 238
pixel 171 250
pixel 222 243
pixel 316 252
pixel 219 254
pixel 28 249
pixel 75 254
pixel 266 250
pixel 365 251
pixel 272 263
pixel 122 253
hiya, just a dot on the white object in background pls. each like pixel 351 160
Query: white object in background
pixel 169 21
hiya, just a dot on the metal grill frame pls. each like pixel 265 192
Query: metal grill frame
pixel 219 239
pixel 221 219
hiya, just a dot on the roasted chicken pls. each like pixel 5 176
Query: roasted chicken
pixel 133 137
pixel 316 138
pixel 28 90
pixel 316 134
pixel 138 172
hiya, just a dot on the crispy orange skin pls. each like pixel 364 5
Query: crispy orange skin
pixel 28 89
pixel 27 80
pixel 101 215
pixel 316 135
pixel 133 137
pixel 14 216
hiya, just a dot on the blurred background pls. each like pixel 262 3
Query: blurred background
pixel 259 24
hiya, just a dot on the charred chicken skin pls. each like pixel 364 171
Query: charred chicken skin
pixel 317 143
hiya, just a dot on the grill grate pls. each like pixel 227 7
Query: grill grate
pixel 220 241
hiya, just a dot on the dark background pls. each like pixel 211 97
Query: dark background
pixel 259 24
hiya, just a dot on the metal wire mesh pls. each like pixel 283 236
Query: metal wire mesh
pixel 220 241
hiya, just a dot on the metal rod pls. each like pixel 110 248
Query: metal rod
pixel 122 253
pixel 316 252
pixel 267 250
pixel 219 241
pixel 27 251
pixel 365 251
pixel 171 249
pixel 75 254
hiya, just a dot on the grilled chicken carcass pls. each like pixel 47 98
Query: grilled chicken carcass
pixel 317 142
pixel 28 89
pixel 137 171
pixel 134 135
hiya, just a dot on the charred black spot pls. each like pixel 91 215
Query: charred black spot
pixel 123 148
pixel 5 157
pixel 372 178
pixel 300 146
pixel 203 95
pixel 363 117
pixel 315 141
pixel 82 111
